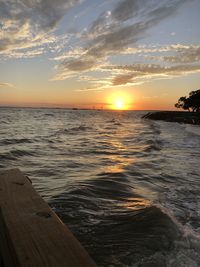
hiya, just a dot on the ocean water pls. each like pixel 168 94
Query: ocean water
pixel 128 188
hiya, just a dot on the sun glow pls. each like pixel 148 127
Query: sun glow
pixel 119 104
pixel 120 101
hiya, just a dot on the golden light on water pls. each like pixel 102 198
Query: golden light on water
pixel 120 101
pixel 137 203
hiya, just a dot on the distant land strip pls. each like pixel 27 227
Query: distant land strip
pixel 175 116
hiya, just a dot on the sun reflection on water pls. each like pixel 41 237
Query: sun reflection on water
pixel 136 203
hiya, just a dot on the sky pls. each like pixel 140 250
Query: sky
pixel 99 53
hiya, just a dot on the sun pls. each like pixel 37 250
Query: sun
pixel 120 101
pixel 119 104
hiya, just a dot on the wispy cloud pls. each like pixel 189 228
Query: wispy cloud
pixel 114 32
pixel 29 24
pixel 5 85
pixel 131 73
pixel 187 54
pixel 181 56
pixel 28 29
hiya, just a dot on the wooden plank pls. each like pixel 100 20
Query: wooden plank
pixel 31 234
pixel 1 262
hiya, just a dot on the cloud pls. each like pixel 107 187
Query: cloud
pixel 111 34
pixel 173 48
pixel 188 54
pixel 79 64
pixel 139 73
pixel 27 24
pixel 131 73
pixel 116 35
pixel 6 85
pixel 175 53
pixel 27 29
pixel 127 9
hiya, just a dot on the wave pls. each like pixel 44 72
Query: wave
pixel 7 156
pixel 104 152
pixel 105 180
pixel 153 145
pixel 117 124
pixel 145 236
pixel 15 141
pixel 15 154
pixel 49 114
pixel 116 232
pixel 194 129
pixel 21 153
pixel 119 227
pixel 73 130
pixel 111 121
pixel 4 122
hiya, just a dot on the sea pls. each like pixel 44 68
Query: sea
pixel 127 187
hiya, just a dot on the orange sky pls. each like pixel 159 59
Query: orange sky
pixel 101 55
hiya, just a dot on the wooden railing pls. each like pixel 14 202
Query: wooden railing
pixel 31 234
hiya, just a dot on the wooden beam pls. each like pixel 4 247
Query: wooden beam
pixel 31 234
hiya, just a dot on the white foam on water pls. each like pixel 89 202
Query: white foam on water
pixel 195 129
pixel 186 251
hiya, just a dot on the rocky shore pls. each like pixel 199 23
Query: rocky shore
pixel 175 116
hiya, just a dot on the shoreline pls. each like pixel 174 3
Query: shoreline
pixel 175 116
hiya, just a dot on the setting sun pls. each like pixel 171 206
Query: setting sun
pixel 120 101
pixel 119 104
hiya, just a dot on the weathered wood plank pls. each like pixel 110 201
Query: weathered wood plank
pixel 31 234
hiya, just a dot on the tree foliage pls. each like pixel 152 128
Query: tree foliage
pixel 190 103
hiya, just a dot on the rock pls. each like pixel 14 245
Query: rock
pixel 175 116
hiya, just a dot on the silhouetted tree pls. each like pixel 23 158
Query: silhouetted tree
pixel 190 103
pixel 183 103
pixel 194 100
